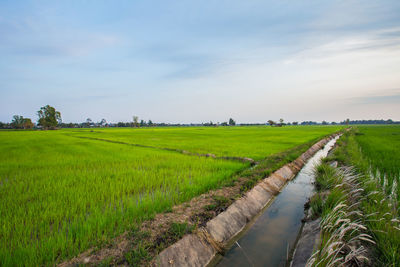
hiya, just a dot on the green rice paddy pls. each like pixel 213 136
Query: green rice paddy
pixel 252 142
pixel 61 194
pixel 380 145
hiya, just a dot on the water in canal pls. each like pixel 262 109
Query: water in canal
pixel 272 235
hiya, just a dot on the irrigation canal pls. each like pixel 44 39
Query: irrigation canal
pixel 268 240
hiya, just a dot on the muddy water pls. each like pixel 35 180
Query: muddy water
pixel 269 238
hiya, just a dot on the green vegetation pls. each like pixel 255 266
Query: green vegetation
pixel 325 177
pixel 220 203
pixel 368 200
pixel 177 230
pixel 344 235
pixel 266 166
pixel 49 117
pixel 252 142
pixel 380 147
pixel 19 122
pixel 60 195
pixel 142 250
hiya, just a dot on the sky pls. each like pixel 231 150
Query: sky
pixel 199 61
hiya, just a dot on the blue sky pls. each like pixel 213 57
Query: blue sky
pixel 196 61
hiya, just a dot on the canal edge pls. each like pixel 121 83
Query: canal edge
pixel 202 247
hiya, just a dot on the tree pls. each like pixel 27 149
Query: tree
pixel 103 122
pixel 19 122
pixel 295 123
pixel 142 123
pixel 231 122
pixel 271 122
pixel 324 123
pixel 150 123
pixel 135 121
pixel 281 121
pixel 224 123
pixel 88 122
pixel 347 121
pixel 27 124
pixel 49 117
pixel 208 124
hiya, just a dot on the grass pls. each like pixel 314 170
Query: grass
pixel 268 165
pixel 220 203
pixel 178 230
pixel 142 250
pixel 371 150
pixel 325 177
pixel 380 148
pixel 138 255
pixel 343 231
pixel 382 200
pixel 253 142
pixel 60 195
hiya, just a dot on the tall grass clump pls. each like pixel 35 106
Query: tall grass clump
pixel 325 177
pixel 344 236
pixel 377 204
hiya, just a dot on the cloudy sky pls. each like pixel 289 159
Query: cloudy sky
pixel 196 61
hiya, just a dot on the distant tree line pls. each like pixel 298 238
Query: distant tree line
pixel 50 118
pixel 231 122
pixel 344 122
pixel 370 122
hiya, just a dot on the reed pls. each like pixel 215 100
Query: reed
pixel 375 204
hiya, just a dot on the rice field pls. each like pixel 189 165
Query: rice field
pixel 252 142
pixel 60 194
pixel 380 146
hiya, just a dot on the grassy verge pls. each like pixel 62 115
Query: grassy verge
pixel 344 236
pixel 142 250
pixel 358 201
pixel 270 164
